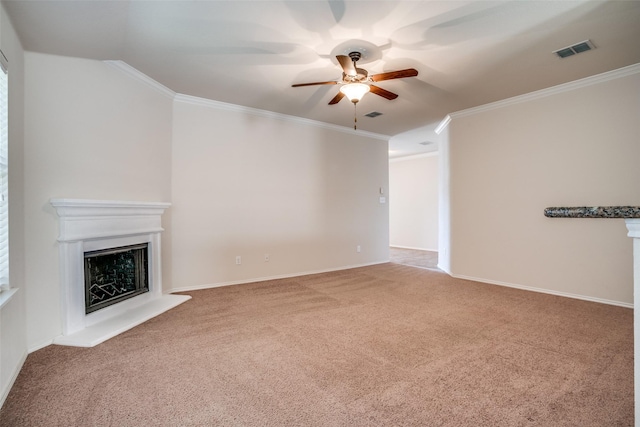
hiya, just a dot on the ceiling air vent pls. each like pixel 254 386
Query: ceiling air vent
pixel 575 49
pixel 373 114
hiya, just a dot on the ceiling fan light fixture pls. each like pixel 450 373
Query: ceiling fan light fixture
pixel 354 91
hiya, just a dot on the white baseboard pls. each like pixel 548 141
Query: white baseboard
pixel 14 376
pixel 40 345
pixel 446 270
pixel 544 291
pixel 412 248
pixel 264 279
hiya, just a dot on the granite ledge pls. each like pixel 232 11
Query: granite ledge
pixel 593 212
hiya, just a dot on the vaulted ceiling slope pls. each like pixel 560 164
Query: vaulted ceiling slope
pixel 249 53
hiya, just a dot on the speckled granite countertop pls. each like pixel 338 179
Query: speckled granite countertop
pixel 594 212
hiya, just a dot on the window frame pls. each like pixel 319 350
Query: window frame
pixel 4 173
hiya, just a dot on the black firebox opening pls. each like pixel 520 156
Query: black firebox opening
pixel 114 275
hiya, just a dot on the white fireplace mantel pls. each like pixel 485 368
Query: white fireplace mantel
pixel 90 225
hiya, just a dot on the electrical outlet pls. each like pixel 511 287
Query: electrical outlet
pixel 266 257
pixel 238 260
pixel 358 248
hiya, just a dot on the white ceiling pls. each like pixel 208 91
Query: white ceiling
pixel 249 53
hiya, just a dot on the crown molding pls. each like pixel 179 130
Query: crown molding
pixel 443 124
pixel 209 103
pixel 141 77
pixel 204 102
pixel 565 87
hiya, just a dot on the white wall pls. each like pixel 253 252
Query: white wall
pixel 91 132
pixel 575 147
pixel 444 201
pixel 250 185
pixel 13 343
pixel 413 202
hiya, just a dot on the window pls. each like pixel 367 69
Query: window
pixel 4 174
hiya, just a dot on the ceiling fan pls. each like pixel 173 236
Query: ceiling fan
pixel 356 82
pixel 353 76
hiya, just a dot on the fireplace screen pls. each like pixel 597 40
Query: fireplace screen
pixel 113 275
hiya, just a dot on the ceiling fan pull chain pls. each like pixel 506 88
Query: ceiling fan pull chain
pixel 355 116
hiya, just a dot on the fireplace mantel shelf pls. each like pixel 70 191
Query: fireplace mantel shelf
pixel 625 212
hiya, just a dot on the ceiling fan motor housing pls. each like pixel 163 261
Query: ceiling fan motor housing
pixel 361 76
pixel 355 56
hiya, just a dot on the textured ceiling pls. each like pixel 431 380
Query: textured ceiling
pixel 249 53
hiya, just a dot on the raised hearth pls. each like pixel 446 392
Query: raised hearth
pixel 87 226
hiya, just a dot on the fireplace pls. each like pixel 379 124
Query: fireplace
pixel 110 268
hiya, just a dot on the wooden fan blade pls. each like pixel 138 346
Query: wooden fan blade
pixel 347 65
pixel 315 83
pixel 336 98
pixel 409 72
pixel 382 92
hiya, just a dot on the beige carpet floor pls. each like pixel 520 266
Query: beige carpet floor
pixel 385 345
